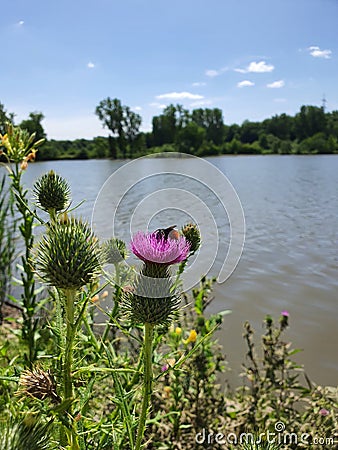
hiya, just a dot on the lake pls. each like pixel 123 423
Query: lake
pixel 290 257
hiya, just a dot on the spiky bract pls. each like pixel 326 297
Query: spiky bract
pixel 69 255
pixel 51 192
pixel 153 299
pixel 192 234
pixel 114 251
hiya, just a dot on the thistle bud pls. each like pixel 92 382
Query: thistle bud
pixel 51 192
pixel 114 251
pixel 69 255
pixel 193 236
pixel 38 384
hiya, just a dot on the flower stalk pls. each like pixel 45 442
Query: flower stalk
pixel 147 381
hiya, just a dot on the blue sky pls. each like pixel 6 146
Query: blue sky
pixel 252 59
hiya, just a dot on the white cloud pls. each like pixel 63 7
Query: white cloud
pixel 276 84
pixel 245 83
pixel 257 67
pixel 215 73
pixel 90 65
pixel 157 105
pixel 279 100
pixel 212 73
pixel 179 96
pixel 199 83
pixel 137 108
pixel 316 52
pixel 20 23
pixel 201 103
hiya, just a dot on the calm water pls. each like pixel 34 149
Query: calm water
pixel 290 257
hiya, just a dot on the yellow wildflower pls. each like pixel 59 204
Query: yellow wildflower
pixel 178 331
pixel 192 337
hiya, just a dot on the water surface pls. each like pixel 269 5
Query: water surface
pixel 290 257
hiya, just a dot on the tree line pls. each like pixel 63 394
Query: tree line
pixel 200 132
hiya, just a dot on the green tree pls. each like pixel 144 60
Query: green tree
pixel 110 112
pixel 5 117
pixel 123 123
pixel 33 125
pixel 212 121
pixel 281 126
pixel 131 124
pixel 309 121
pixel 249 132
pixel 190 138
pixel 167 125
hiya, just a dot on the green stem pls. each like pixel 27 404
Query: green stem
pixel 115 310
pixel 91 333
pixel 147 381
pixel 68 364
pixel 28 296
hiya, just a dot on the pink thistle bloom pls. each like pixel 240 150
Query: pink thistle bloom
pixel 324 412
pixel 285 313
pixel 149 247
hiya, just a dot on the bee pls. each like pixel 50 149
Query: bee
pixel 166 233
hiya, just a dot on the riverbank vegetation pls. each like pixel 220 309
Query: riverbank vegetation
pixel 200 132
pixel 99 355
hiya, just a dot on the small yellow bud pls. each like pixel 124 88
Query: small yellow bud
pixel 166 392
pixel 192 337
pixel 178 331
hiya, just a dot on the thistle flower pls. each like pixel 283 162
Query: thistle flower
pixel 284 320
pixel 38 384
pixel 51 192
pixel 114 251
pixel 151 248
pixel 69 255
pixel 192 234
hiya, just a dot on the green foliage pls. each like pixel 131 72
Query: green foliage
pixel 25 434
pixel 201 132
pixel 33 125
pixel 123 123
pixel 7 242
pixel 5 117
pixel 154 385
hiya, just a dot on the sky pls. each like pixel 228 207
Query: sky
pixel 252 59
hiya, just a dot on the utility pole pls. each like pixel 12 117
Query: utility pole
pixel 324 102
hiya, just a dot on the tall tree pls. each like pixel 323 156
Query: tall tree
pixel 123 123
pixel 33 125
pixel 131 124
pixel 167 125
pixel 212 121
pixel 309 121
